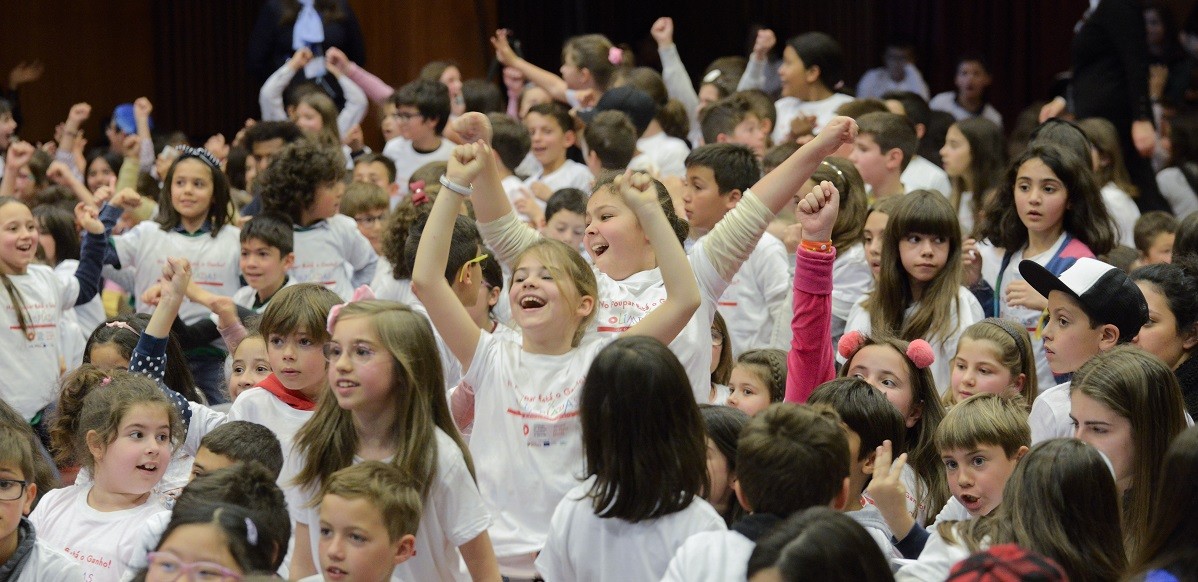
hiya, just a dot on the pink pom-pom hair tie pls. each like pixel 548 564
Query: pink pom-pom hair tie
pixel 849 344
pixel 362 293
pixel 921 353
pixel 615 55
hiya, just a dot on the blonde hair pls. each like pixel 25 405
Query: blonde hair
pixel 363 197
pixel 565 264
pixel 384 486
pixel 985 419
pixel 1014 353
pixel 328 441
pixel 104 409
pixel 329 135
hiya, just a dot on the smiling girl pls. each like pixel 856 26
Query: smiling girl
pixel 994 356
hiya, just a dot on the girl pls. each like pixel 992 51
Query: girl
pixel 316 116
pixel 1179 180
pixel 210 541
pixel 851 270
pixel 871 235
pixel 995 356
pixel 723 425
pixel 112 344
pixel 101 169
pixel 448 74
pixel 125 434
pixel 393 277
pixel 33 303
pixel 758 380
pixel 974 156
pixel 643 494
pixel 250 364
pixel 1048 211
pixel 1126 403
pixel 386 402
pixel 1118 193
pixel 526 395
pixel 721 361
pixel 58 247
pixel 1171 333
pixel 919 292
pixel 626 265
pixel 1169 543
pixel 1059 502
pixel 589 66
pixel 811 72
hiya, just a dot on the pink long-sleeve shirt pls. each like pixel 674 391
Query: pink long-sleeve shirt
pixel 810 361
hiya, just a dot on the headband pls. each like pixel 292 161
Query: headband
pixel 839 173
pixel 120 325
pixel 201 153
pixel 919 351
pixel 1002 324
pixel 362 293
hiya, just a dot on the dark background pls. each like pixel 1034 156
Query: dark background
pixel 188 56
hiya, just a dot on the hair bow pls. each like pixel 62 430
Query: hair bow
pixel 615 55
pixel 419 196
pixel 120 325
pixel 362 293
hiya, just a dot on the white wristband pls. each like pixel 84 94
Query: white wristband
pixel 456 188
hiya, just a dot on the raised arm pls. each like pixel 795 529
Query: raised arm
pixel 141 116
pixel 19 154
pixel 270 95
pixel 71 131
pixel 375 88
pixel 779 186
pixel 809 362
pixel 355 102
pixel 552 84
pixel 754 75
pixel 149 357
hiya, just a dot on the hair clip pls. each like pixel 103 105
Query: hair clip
pixel 615 55
pixel 849 344
pixel 419 196
pixel 201 153
pixel 921 353
pixel 120 325
pixel 251 532
pixel 712 76
pixel 362 293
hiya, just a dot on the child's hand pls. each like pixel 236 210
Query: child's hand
pixel 637 189
pixel 764 44
pixel 334 57
pixel 217 147
pixel 663 31
pixel 176 274
pixel 152 295
pixel 816 212
pixel 1021 294
pixel 127 199
pixel 300 59
pixel 18 155
pixel 527 205
pixel 503 51
pixel 102 195
pixel 25 72
pixel 541 190
pixel 239 139
pixel 971 261
pixel 78 114
pixel 142 109
pixel 132 145
pixel 50 147
pixel 887 491
pixel 467 161
pixel 472 127
pixel 840 130
pixel 88 218
pixel 59 173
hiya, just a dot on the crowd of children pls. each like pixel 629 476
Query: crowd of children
pixel 482 353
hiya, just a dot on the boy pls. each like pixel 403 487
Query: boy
pixel 552 132
pixel 789 458
pixel 264 140
pixel 1092 307
pixel 510 144
pixel 266 256
pixel 235 442
pixel 731 120
pixel 379 170
pixel 897 73
pixel 920 173
pixel 610 142
pixel 1154 235
pixel 565 217
pixel 885 144
pixel 22 555
pixel 367 204
pixel 370 513
pixel 754 304
pixel 969 98
pixel 421 110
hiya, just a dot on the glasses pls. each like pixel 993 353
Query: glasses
pixel 404 115
pixel 717 338
pixel 358 354
pixel 369 219
pixel 11 489
pixel 167 566
pixel 478 259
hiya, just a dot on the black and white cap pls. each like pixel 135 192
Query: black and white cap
pixel 1106 293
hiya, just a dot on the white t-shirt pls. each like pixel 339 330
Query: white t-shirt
pixel 1049 418
pixel 454 514
pixel 89 315
pixel 968 311
pixel 851 280
pixel 333 253
pixel 215 262
pixel 408 160
pixel 386 286
pixel 1176 189
pixel 662 154
pixel 937 559
pixel 754 304
pixel 920 174
pixel 1123 212
pixel 582 546
pixel 102 541
pixel 877 82
pixel 715 556
pixel 1029 318
pixel 259 406
pixel 789 108
pixel 46 564
pixel 571 174
pixel 31 366
pixel 247 296
pixel 947 102
pixel 965 213
pixel 527 436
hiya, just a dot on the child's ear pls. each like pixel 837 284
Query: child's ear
pixel 405 549
pixel 493 296
pixel 1191 338
pixel 915 414
pixel 30 495
pixel 733 197
pixel 569 137
pixel 1019 383
pixel 842 497
pixel 740 496
pixel 813 73
pixel 1020 453
pixel 1109 338
pixel 94 446
pixel 868 467
pixel 393 189
pixel 289 261
pixel 722 138
pixel 585 305
pixel 894 159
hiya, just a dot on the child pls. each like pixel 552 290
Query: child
pixel 789 458
pixel 316 116
pixel 113 344
pixel 1126 404
pixel 532 386
pixel 1154 234
pixel 1168 544
pixel 58 247
pixel 25 555
pixel 1060 502
pixel 974 156
pixel 565 217
pixel 250 365
pixel 754 304
pixel 371 513
pixel 379 170
pixel 884 146
pixel 758 380
pixel 219 539
pixel 589 63
pixel 367 204
pixel 422 110
pixel 448 74
pixel 969 98
pixel 919 292
pixel 1171 291
pixel 1118 192
pixel 510 143
pixel 386 399
pixel 721 361
pixel 897 73
pixel 552 133
pixel 294 327
pixel 610 142
pixel 279 101
pixel 620 524
pixel 872 235
pixel 993 356
pixel 125 437
pixel 921 174
pixel 1178 181
pixel 723 425
pixel 811 71
pixel 393 277
pixel 731 120
pixel 1092 307
pixel 238 441
pixel 304 184
pixel 821 540
pixel 1028 219
pixel 267 243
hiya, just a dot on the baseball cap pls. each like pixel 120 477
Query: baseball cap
pixel 637 104
pixel 1106 294
pixel 1007 563
pixel 122 116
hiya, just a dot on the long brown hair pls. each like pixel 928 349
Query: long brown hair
pixel 849 228
pixel 328 440
pixel 1173 523
pixel 987 160
pixel 14 294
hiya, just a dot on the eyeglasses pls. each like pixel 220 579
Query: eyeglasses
pixel 369 219
pixel 166 566
pixel 404 115
pixel 358 354
pixel 717 338
pixel 11 489
pixel 462 273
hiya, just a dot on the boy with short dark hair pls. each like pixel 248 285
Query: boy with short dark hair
pixel 731 120
pixel 267 253
pixel 884 146
pixel 1092 307
pixel 754 304
pixel 379 170
pixel 789 457
pixel 920 173
pixel 565 217
pixel 611 142
pixel 238 441
pixel 422 110
pixel 1154 234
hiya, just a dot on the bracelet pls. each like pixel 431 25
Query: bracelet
pixel 816 246
pixel 456 188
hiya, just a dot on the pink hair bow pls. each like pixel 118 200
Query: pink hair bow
pixel 418 195
pixel 362 293
pixel 615 55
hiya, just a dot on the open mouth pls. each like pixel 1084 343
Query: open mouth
pixel 598 249
pixel 335 572
pixel 148 467
pixel 531 302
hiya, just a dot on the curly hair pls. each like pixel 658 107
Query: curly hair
pixel 289 185
pixel 395 237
